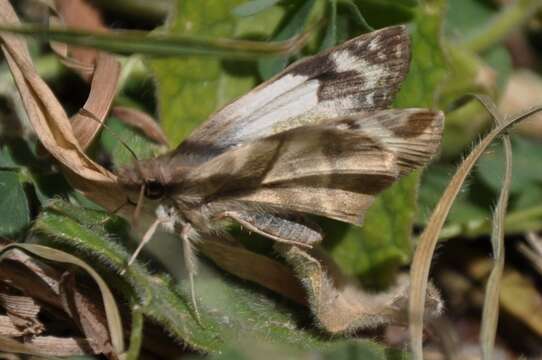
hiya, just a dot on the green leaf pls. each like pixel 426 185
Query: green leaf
pixel 525 155
pixel 428 68
pixel 6 157
pixel 330 37
pixel 384 242
pixel 339 350
pixel 458 25
pixel 294 24
pixel 253 7
pixel 189 89
pixel 14 209
pixel 232 312
pixel 374 251
pixel 141 145
pixel 471 208
pixel 381 13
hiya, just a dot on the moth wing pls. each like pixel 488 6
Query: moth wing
pixel 361 75
pixel 333 169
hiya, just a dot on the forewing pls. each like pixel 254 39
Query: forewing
pixel 361 75
pixel 332 169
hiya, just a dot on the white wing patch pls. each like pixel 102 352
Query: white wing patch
pixel 292 104
pixel 361 75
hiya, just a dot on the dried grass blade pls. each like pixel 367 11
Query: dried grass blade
pixel 423 255
pixel 490 315
pixel 46 346
pixel 112 312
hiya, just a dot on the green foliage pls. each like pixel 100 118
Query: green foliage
pixel 14 210
pixel 142 146
pixel 234 313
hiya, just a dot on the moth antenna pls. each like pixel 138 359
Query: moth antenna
pixel 146 238
pixel 139 205
pixel 90 115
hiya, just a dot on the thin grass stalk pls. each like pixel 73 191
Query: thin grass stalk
pixel 423 255
pixel 490 314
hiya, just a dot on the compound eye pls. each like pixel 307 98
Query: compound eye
pixel 154 190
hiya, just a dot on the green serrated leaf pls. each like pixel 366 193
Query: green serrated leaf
pixel 14 209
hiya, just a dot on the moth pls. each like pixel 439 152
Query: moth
pixel 317 139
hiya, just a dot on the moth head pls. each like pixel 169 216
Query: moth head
pixel 153 189
pixel 148 177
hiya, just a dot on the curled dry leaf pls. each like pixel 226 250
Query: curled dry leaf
pixel 22 311
pixel 103 76
pixel 51 123
pixel 88 316
pixel 114 325
pixel 256 268
pixel 43 283
pixel 141 121
pixel 103 87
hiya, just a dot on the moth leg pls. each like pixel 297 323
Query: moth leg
pixel 146 238
pixel 287 229
pixel 340 304
pixel 190 262
pixel 307 267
